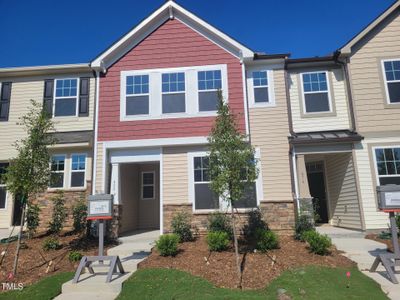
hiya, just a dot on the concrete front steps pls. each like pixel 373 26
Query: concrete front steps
pixel 133 249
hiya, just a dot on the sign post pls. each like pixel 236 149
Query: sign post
pixel 389 201
pixel 100 209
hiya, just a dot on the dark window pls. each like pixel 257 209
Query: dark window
pixel 173 93
pixel 148 185
pixel 3 189
pixel 249 199
pixel 388 165
pixel 208 101
pixel 209 82
pixel 316 95
pixel 78 168
pixel 205 198
pixel 66 97
pixel 392 74
pixel 137 95
pixel 260 84
pixel 57 171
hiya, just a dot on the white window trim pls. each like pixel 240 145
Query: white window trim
pixel 155 92
pixel 142 185
pixel 223 206
pixel 64 172
pixel 138 95
pixel 386 82
pixel 4 185
pixel 318 92
pixel 223 89
pixel 77 171
pixel 271 87
pixel 376 162
pixel 66 97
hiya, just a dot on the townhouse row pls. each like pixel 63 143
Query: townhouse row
pixel 134 123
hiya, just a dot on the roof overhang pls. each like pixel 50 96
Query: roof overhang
pixel 325 137
pixel 44 70
pixel 347 48
pixel 312 62
pixel 169 10
pixel 73 137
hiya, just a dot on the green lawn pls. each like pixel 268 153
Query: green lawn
pixel 45 289
pixel 308 283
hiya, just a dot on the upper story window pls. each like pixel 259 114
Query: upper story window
pixel 137 95
pixel 388 165
pixel 260 86
pixel 66 97
pixel 78 168
pixel 392 79
pixel 5 95
pixel 209 83
pixel 3 189
pixel 57 171
pixel 173 93
pixel 316 92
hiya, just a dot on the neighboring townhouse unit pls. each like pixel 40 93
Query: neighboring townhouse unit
pixel 67 94
pixel 322 140
pixel 373 59
pixel 156 105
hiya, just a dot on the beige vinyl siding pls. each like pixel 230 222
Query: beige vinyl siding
pixel 269 131
pixel 374 219
pixel 99 169
pixel 373 114
pixel 22 91
pixel 176 174
pixel 129 196
pixel 336 121
pixel 342 191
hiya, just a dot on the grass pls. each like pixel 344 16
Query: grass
pixel 311 282
pixel 45 289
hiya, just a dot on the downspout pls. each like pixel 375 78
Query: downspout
pixel 296 184
pixel 245 98
pixel 348 88
pixel 96 115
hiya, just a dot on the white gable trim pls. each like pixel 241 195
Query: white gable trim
pixel 167 11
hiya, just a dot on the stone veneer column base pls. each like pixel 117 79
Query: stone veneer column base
pixel 280 216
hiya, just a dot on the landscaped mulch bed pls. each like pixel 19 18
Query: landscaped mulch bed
pixel 34 261
pixel 375 237
pixel 258 268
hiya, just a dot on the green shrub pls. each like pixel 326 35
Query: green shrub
pixel 398 221
pixel 32 218
pixel 59 213
pixel 303 224
pixel 79 214
pixel 181 226
pixel 217 240
pixel 51 243
pixel 266 240
pixel 167 244
pixel 319 243
pixel 219 222
pixel 74 256
pixel 255 223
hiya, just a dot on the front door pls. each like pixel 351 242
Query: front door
pixel 316 183
pixel 17 214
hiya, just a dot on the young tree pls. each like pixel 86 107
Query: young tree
pixel 29 173
pixel 232 166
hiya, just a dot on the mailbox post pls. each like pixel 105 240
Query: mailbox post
pixel 100 209
pixel 389 201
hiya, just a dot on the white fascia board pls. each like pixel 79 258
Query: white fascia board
pixel 184 141
pixel 147 26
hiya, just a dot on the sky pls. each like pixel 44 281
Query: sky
pixel 44 32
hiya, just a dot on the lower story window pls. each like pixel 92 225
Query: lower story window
pixel 249 199
pixel 148 185
pixel 3 189
pixel 388 165
pixel 78 168
pixel 57 171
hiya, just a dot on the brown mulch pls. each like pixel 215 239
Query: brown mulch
pixel 258 268
pixel 387 242
pixel 34 261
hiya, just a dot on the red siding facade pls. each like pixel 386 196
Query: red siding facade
pixel 172 45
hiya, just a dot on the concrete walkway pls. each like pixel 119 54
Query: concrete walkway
pixel 363 252
pixel 134 248
pixel 5 232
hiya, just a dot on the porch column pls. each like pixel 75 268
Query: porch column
pixel 304 190
pixel 115 184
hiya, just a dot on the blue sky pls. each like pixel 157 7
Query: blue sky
pixel 43 32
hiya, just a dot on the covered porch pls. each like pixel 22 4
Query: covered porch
pixel 325 176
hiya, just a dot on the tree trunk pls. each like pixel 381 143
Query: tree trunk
pixel 235 243
pixel 19 240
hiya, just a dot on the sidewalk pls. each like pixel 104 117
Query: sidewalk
pixel 363 252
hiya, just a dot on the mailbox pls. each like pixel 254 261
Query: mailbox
pixel 100 207
pixel 388 197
